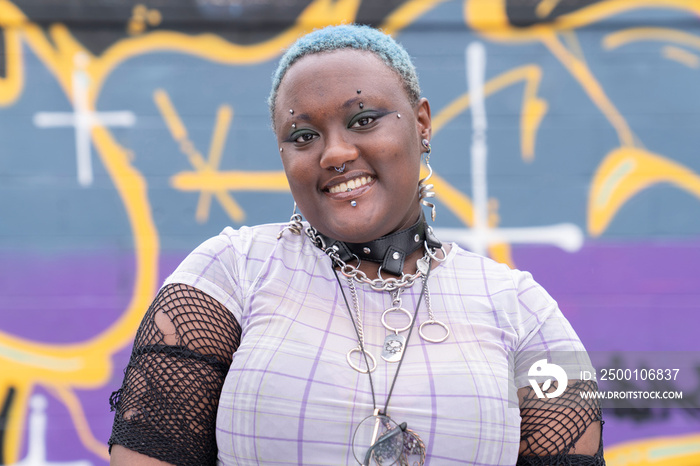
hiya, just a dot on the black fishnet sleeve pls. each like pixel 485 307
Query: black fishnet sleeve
pixel 166 407
pixel 552 429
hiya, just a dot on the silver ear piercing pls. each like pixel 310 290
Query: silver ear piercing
pixel 340 169
pixel 294 225
pixel 425 190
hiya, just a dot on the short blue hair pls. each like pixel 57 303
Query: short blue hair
pixel 349 36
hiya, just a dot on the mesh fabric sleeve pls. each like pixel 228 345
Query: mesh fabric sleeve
pixel 166 407
pixel 566 430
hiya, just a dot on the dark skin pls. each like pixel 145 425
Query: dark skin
pixel 373 142
pixel 380 149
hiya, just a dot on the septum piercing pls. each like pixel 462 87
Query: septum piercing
pixel 340 169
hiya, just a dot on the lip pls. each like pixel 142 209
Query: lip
pixel 344 178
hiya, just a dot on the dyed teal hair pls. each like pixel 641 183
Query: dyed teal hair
pixel 351 36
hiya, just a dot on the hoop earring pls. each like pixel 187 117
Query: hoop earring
pixel 425 190
pixel 294 224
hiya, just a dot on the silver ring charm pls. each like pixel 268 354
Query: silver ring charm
pixel 434 322
pixel 357 368
pixel 397 330
pixel 340 169
pixel 432 255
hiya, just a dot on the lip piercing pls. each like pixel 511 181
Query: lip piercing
pixel 294 125
pixel 353 203
pixel 359 90
pixel 291 111
pixel 340 169
pixel 362 105
pixel 398 115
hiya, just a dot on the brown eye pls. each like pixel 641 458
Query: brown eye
pixel 303 137
pixel 362 121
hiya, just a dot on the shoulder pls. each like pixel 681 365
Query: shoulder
pixel 471 265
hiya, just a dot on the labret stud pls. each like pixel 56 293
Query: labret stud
pixel 353 203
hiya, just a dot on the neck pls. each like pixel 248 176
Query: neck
pixel 395 253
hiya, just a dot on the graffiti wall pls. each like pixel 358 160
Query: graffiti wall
pixel 130 131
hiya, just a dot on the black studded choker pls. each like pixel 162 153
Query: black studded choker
pixel 391 250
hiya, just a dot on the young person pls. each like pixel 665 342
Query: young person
pixel 355 337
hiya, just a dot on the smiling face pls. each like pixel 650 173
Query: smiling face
pixel 331 125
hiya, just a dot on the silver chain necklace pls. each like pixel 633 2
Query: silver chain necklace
pixel 378 284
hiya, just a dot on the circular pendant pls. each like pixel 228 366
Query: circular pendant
pixel 378 440
pixel 434 322
pixel 397 330
pixel 370 360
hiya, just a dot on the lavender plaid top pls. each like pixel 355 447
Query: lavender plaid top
pixel 290 396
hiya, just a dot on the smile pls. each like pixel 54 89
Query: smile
pixel 350 185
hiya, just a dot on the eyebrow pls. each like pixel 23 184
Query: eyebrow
pixel 349 102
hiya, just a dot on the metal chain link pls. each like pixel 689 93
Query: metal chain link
pixel 378 284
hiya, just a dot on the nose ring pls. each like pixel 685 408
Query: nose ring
pixel 340 169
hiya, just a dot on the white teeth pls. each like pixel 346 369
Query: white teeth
pixel 352 184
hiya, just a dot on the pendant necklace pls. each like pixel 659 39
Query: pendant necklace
pixel 378 439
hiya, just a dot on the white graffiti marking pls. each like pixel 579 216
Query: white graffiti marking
pixel 83 120
pixel 567 236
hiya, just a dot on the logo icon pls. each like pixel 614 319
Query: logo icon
pixel 542 368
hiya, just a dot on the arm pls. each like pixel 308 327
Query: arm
pixel 166 407
pixel 565 430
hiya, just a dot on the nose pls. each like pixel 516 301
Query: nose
pixel 337 151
